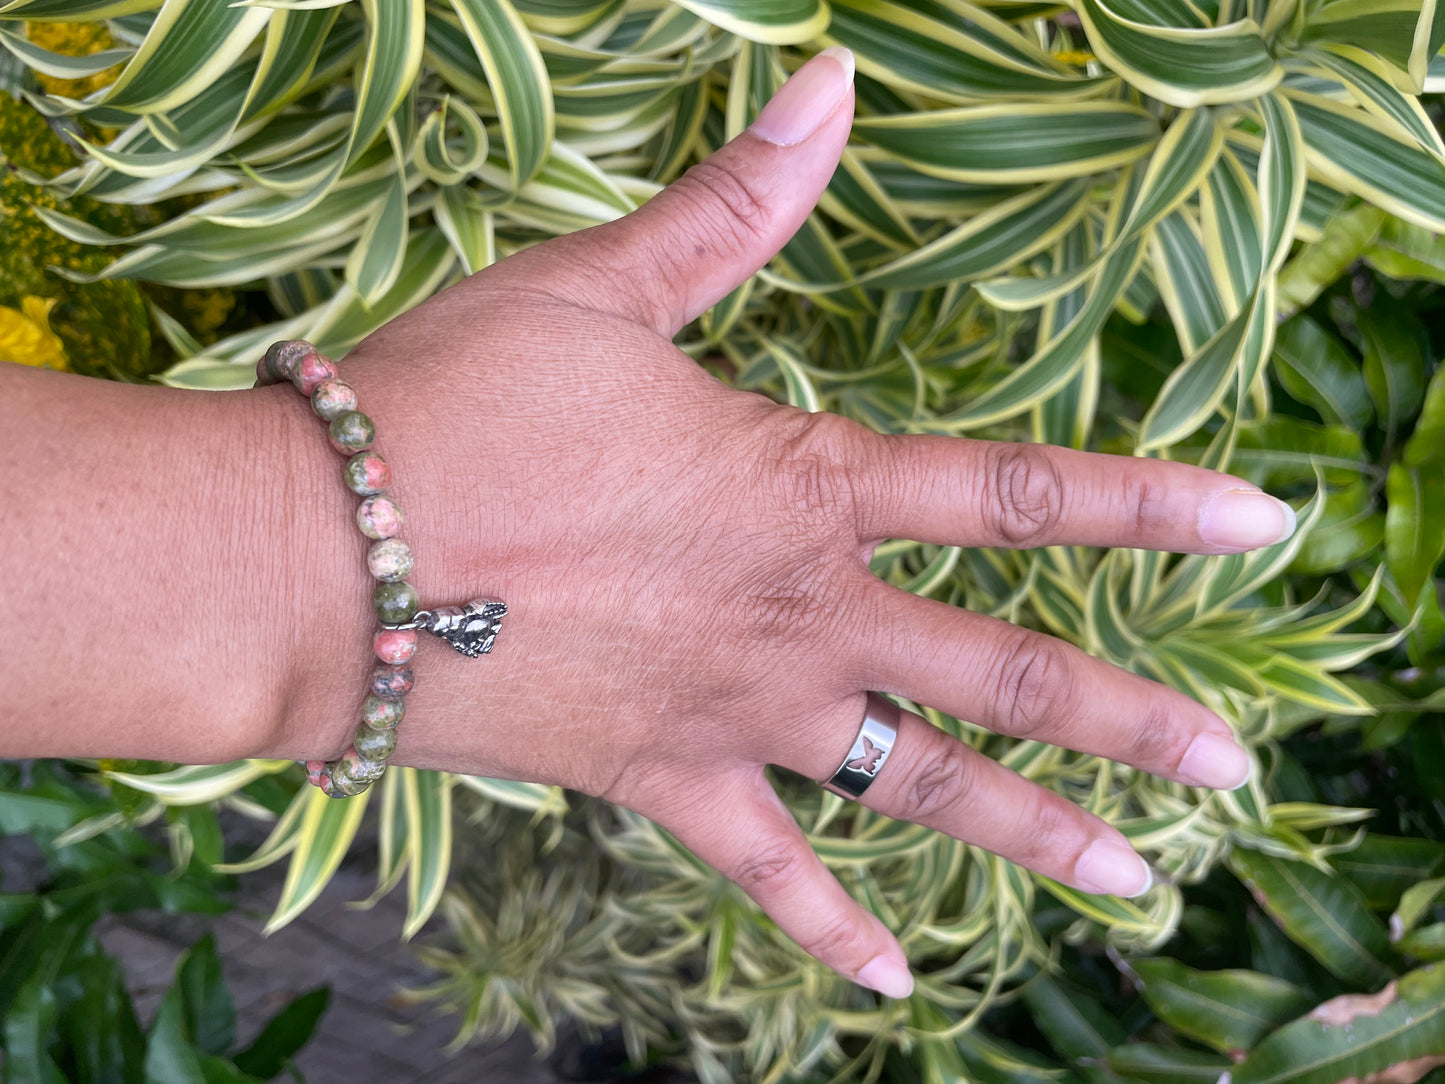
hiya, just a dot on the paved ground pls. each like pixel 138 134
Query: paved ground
pixel 365 1037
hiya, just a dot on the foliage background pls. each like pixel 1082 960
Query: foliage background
pixel 1194 228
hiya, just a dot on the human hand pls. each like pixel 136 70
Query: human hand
pixel 686 565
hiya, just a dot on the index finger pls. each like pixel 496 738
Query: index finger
pixel 962 492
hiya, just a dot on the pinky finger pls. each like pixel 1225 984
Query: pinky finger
pixel 759 846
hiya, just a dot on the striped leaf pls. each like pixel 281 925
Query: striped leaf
pixel 1011 144
pixel 517 79
pixel 189 45
pixel 770 22
pixel 1187 65
pixel 427 796
pixel 1371 158
pixel 325 834
pixel 1407 33
pixel 196 785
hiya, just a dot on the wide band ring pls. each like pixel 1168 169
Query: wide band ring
pixel 870 749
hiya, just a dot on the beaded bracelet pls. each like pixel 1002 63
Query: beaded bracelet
pixel 471 629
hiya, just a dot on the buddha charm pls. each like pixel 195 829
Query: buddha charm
pixel 471 629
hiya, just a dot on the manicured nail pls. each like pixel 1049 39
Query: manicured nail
pixel 888 975
pixel 1214 760
pixel 1241 519
pixel 807 99
pixel 1111 868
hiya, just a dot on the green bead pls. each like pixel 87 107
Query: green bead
pixel 395 603
pixel 352 432
pixel 374 744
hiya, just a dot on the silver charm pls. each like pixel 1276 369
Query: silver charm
pixel 471 629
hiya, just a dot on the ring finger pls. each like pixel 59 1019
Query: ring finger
pixel 934 779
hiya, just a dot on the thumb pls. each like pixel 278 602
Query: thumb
pixel 690 245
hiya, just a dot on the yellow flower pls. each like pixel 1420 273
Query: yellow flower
pixel 25 334
pixel 72 39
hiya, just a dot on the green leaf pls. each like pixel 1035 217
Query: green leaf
pixel 1415 904
pixel 1404 250
pixel 1355 1037
pixel 99 1029
pixel 1228 1010
pixel 1076 1025
pixel 170 1057
pixel 210 1015
pixel 1167 1064
pixel 1427 443
pixel 1395 350
pixel 1316 368
pixel 284 1035
pixel 1383 867
pixel 27 1029
pixel 1414 527
pixel 1324 914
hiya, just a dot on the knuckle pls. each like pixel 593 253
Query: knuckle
pixel 944 784
pixel 769 869
pixel 838 938
pixel 1027 494
pixel 815 476
pixel 723 205
pixel 1036 693
pixel 1047 822
pixel 1145 505
pixel 1154 733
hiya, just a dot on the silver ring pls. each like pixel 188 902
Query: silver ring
pixel 870 749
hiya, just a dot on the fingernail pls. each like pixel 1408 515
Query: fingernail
pixel 807 99
pixel 1241 519
pixel 888 975
pixel 1214 760
pixel 1111 868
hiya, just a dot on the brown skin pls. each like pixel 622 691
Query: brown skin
pixel 686 564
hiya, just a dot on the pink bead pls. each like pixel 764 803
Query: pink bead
pixel 312 370
pixel 314 771
pixel 379 517
pixel 394 645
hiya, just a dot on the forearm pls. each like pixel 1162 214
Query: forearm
pixel 160 550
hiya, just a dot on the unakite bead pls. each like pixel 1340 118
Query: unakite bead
pixel 389 560
pixel 351 433
pixel 395 603
pixel 282 357
pixel 343 785
pixel 353 765
pixel 394 645
pixel 311 369
pixel 391 682
pixel 379 517
pixel 366 473
pixel 374 744
pixel 333 398
pixel 382 714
